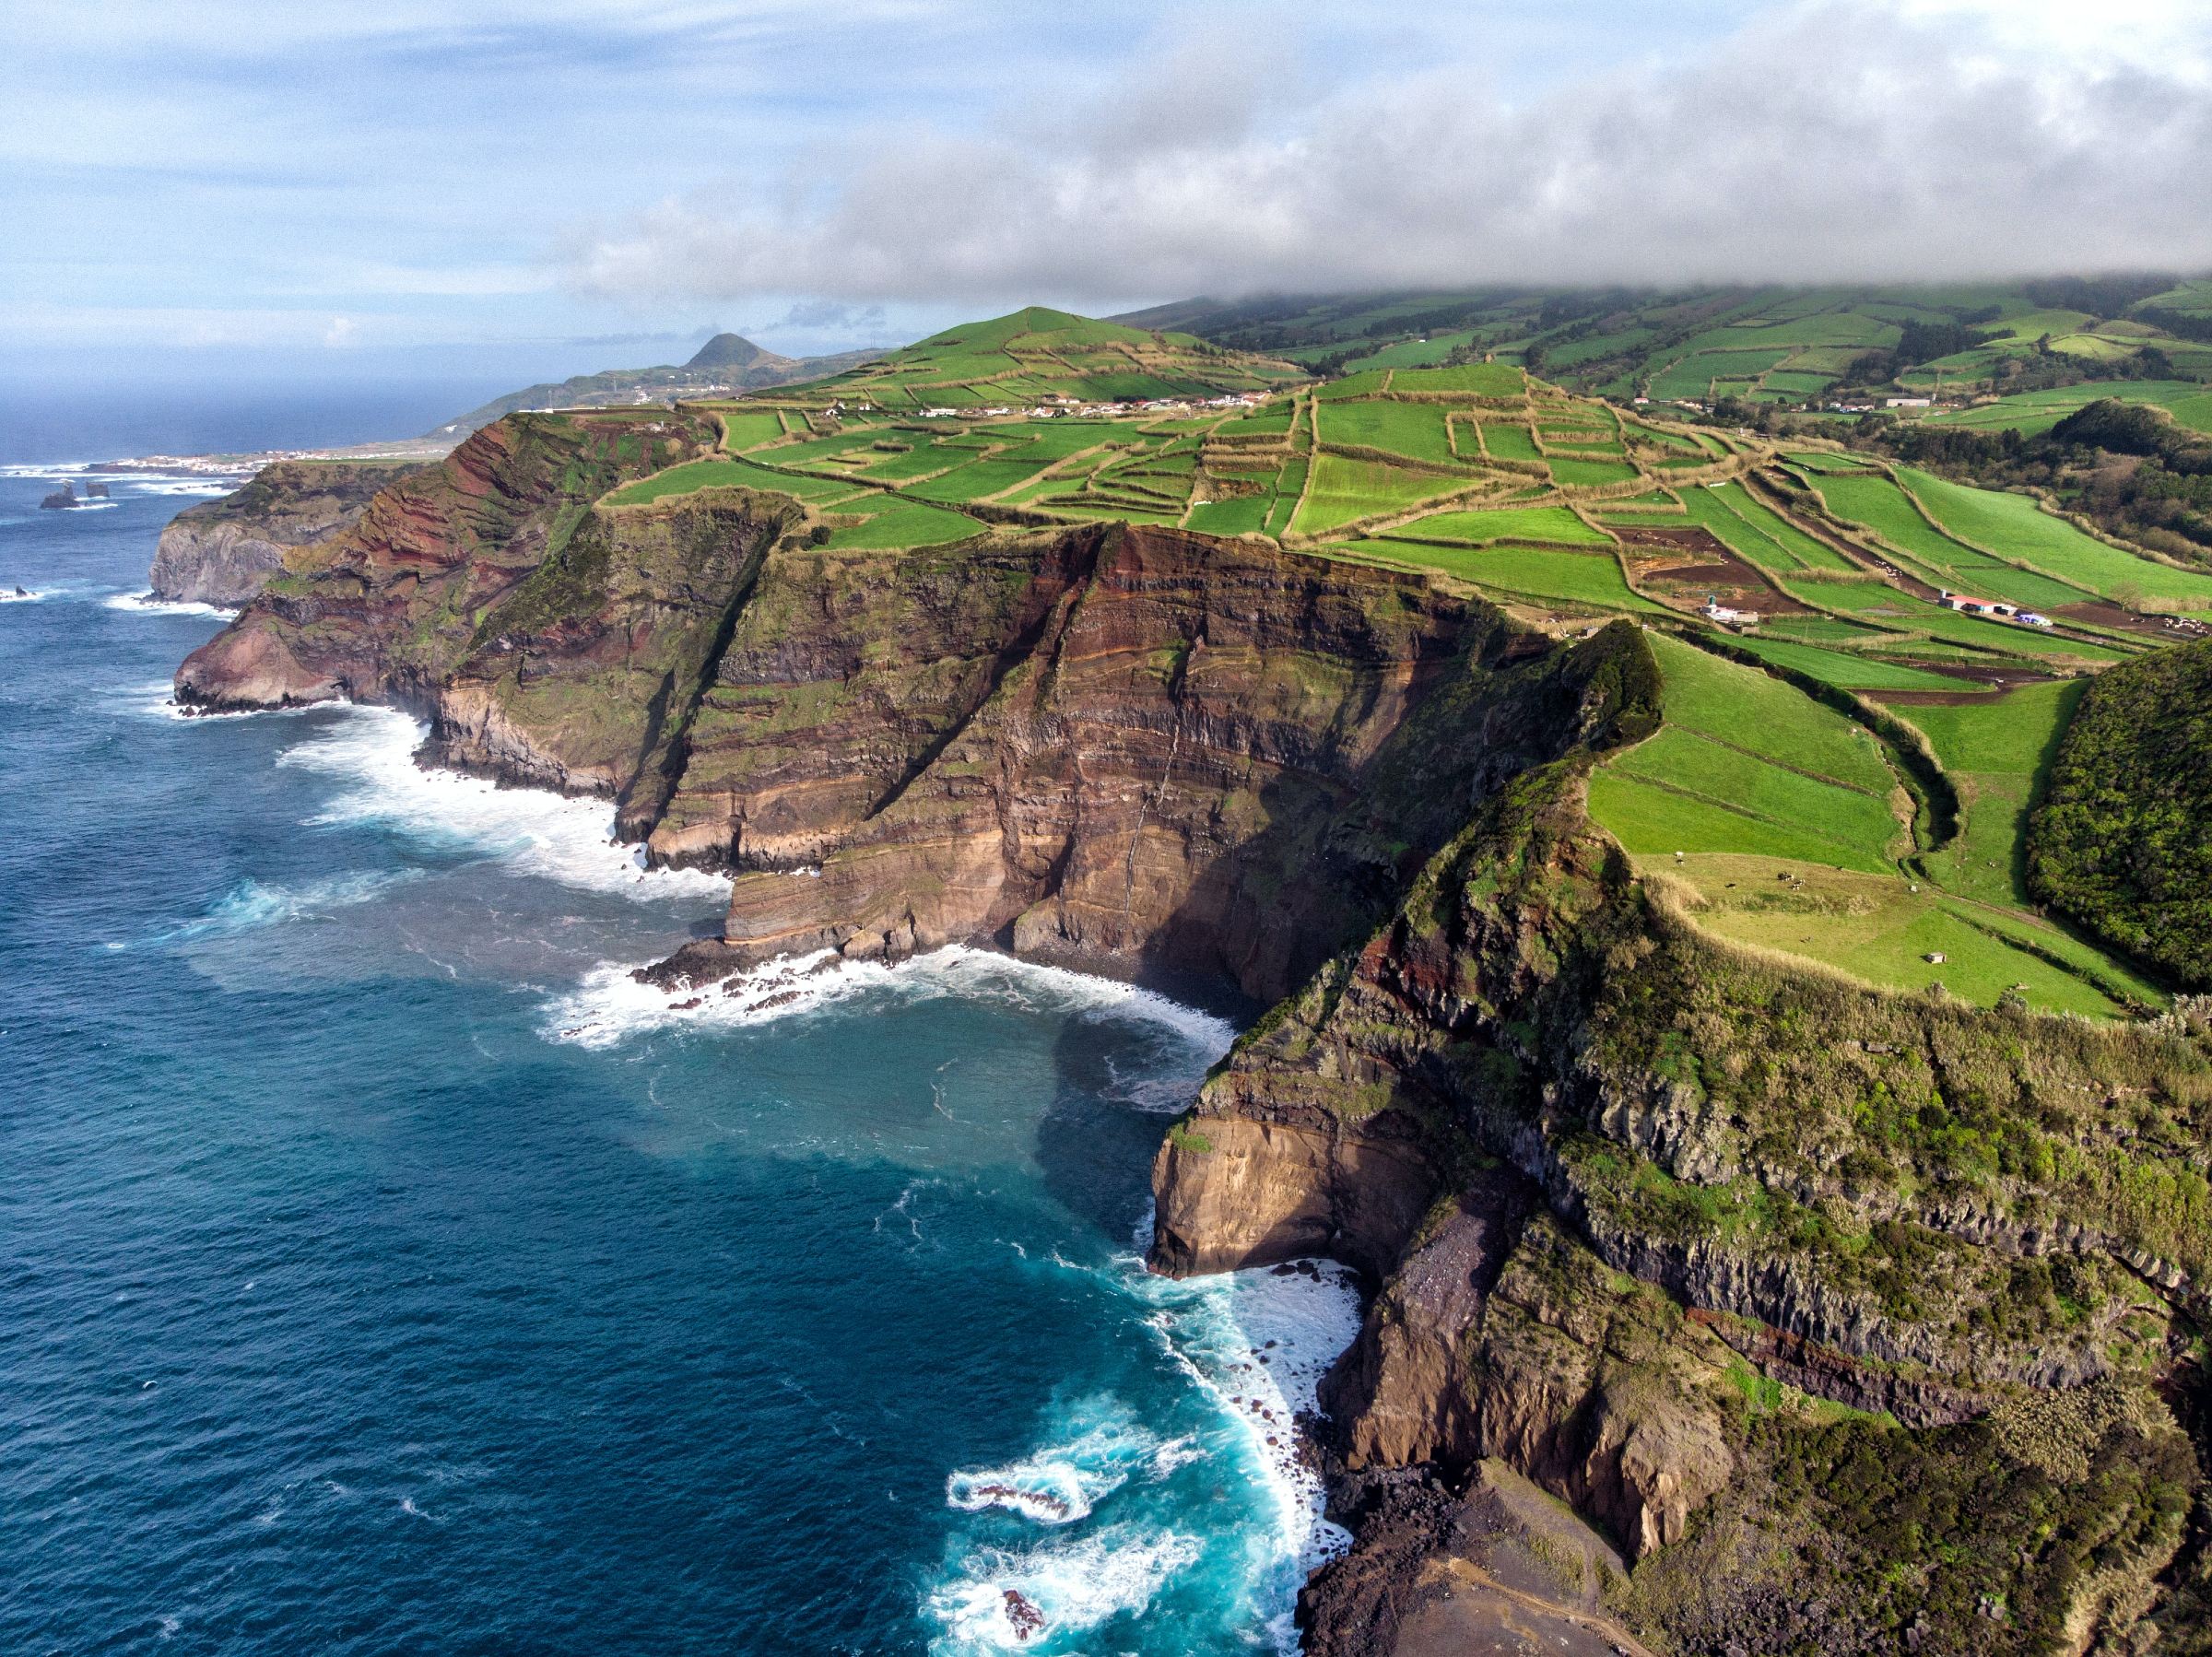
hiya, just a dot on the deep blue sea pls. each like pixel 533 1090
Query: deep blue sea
pixel 382 1272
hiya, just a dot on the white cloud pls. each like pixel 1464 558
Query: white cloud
pixel 1913 138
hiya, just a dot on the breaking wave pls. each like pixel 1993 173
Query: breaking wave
pixel 612 1004
pixel 532 831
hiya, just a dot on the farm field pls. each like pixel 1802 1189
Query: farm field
pixel 1879 503
pixel 2016 525
pixel 2033 413
pixel 1774 775
pixel 1756 535
pixel 1517 573
pixel 1996 750
pixel 1551 525
pixel 1780 828
pixel 1341 490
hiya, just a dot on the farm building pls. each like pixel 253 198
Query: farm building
pixel 1716 611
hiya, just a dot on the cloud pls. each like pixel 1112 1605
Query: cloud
pixel 832 313
pixel 1910 139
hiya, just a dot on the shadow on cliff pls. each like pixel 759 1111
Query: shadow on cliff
pixel 1342 847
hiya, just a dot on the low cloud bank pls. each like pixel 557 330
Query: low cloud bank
pixel 1910 139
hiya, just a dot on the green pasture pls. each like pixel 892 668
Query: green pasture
pixel 1758 536
pixel 905 524
pixel 1589 474
pixel 1545 525
pixel 1342 489
pixel 1518 572
pixel 2015 526
pixel 1508 439
pixel 1413 429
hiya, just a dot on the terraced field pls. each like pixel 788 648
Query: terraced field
pixel 1846 778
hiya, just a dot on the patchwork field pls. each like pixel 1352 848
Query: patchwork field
pixel 1786 803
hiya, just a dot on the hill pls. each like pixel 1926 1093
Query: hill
pixel 1624 821
pixel 725 364
pixel 1018 359
pixel 2120 842
pixel 1790 346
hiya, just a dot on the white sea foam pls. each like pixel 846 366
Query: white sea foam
pixel 1259 1341
pixel 1074 1585
pixel 1256 1342
pixel 251 905
pixel 611 1005
pixel 30 595
pixel 146 604
pixel 179 486
pixel 1063 1483
pixel 532 831
pixel 47 469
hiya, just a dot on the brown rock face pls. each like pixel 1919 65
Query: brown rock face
pixel 1123 747
pixel 1271 1192
pixel 223 552
pixel 383 610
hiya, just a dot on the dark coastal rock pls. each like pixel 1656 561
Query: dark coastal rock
pixel 223 552
pixel 1645 1229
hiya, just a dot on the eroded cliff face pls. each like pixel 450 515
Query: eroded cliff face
pixel 223 552
pixel 385 610
pixel 1740 1262
pixel 1128 748
pixel 1695 1223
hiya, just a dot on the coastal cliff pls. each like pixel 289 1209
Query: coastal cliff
pixel 1693 1239
pixel 223 552
pixel 1842 1321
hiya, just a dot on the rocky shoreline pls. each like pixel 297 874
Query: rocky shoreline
pixel 223 552
pixel 1638 1237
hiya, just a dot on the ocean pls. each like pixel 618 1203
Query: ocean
pixel 380 1271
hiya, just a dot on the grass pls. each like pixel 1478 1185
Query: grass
pixel 1653 819
pixel 1882 506
pixel 1413 429
pixel 1508 439
pixel 2014 527
pixel 974 480
pixel 1749 709
pixel 1590 474
pixel 906 523
pixel 747 428
pixel 1522 572
pixel 1876 927
pixel 1243 514
pixel 1475 379
pixel 1996 751
pixel 1367 384
pixel 1879 603
pixel 1727 797
pixel 729 473
pixel 1554 525
pixel 1756 534
pixel 1845 669
pixel 1343 489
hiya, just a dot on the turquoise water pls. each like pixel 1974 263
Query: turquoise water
pixel 380 1271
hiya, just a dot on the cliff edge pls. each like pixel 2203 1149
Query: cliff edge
pixel 223 552
pixel 1840 1321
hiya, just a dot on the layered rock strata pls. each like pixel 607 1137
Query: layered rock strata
pixel 223 552
pixel 1740 1261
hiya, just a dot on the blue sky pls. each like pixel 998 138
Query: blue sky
pixel 526 191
